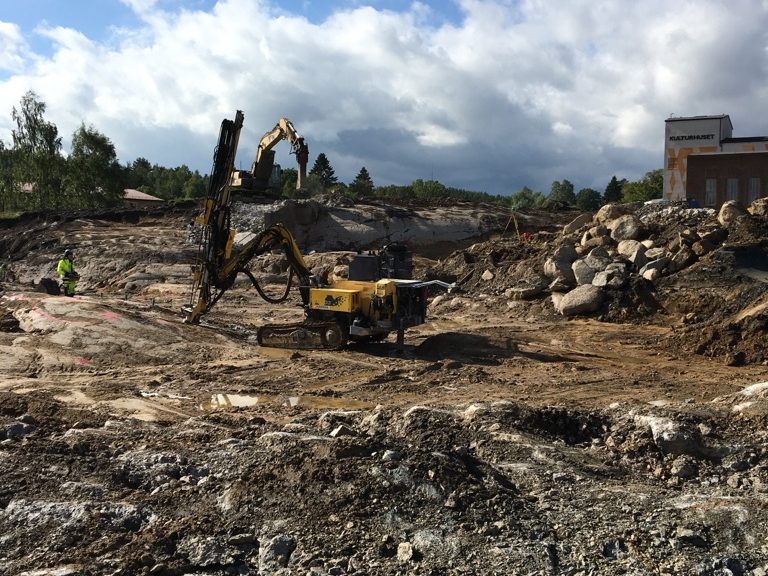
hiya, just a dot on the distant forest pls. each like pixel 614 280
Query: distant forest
pixel 36 175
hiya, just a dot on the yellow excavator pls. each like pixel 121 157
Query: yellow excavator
pixel 379 296
pixel 258 178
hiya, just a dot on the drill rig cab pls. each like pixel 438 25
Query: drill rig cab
pixel 378 297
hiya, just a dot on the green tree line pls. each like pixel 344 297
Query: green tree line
pixel 562 194
pixel 36 175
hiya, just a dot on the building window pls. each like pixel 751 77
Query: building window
pixel 710 194
pixel 732 189
pixel 754 189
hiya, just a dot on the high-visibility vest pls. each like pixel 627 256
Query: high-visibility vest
pixel 65 266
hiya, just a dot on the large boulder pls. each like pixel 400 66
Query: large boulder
pixel 581 300
pixel 559 264
pixel 598 258
pixel 628 247
pixel 583 272
pixel 610 212
pixel 577 223
pixel 682 259
pixel 759 207
pixel 633 251
pixel 729 213
pixel 614 276
pixel 657 265
pixel 627 227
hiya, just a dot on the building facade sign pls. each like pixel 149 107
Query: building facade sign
pixel 685 136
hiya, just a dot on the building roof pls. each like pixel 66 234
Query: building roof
pixel 679 118
pixel 131 194
pixel 754 153
pixel 744 140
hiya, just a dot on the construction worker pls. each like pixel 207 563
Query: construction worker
pixel 66 271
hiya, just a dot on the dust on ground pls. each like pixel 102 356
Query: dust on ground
pixel 505 438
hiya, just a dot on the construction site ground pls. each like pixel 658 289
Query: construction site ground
pixel 502 438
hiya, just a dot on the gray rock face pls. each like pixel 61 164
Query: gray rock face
pixel 671 437
pixel 560 284
pixel 16 430
pixel 581 300
pixel 638 257
pixel 590 243
pixel 526 289
pixel 655 253
pixel 596 236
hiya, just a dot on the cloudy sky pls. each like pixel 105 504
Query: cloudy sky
pixel 488 95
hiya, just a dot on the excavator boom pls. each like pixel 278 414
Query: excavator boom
pixel 261 169
pixel 284 130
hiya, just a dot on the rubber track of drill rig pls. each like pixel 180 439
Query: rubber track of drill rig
pixel 302 336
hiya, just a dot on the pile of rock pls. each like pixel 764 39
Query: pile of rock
pixel 619 247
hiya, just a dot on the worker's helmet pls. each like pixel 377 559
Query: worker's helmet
pixel 67 253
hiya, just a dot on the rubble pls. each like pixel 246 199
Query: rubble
pixel 646 261
pixel 583 404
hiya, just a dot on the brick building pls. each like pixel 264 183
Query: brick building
pixel 705 163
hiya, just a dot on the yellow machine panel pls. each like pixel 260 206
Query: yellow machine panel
pixel 334 299
pixel 368 291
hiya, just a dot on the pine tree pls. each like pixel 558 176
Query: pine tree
pixel 613 190
pixel 362 185
pixel 562 192
pixel 324 171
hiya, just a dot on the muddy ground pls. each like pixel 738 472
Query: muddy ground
pixel 503 439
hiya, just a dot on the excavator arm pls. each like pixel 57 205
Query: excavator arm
pixel 284 130
pixel 215 281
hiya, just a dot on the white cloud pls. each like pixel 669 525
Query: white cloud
pixel 13 49
pixel 519 93
pixel 140 6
